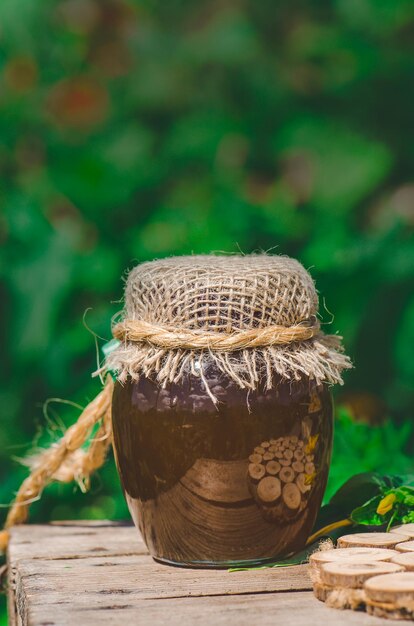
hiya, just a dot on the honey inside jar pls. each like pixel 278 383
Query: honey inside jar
pixel 222 413
pixel 236 483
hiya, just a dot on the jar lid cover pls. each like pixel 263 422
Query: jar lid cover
pixel 252 316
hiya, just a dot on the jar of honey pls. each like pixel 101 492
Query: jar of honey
pixel 222 412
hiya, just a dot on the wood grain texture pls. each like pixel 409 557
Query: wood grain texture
pixel 100 573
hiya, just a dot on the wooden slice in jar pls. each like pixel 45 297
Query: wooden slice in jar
pixel 302 483
pixel 406 559
pixel 256 471
pixel 288 454
pixel 404 546
pixel 287 475
pixel 353 575
pixel 368 540
pixel 405 529
pixel 255 458
pixel 298 467
pixel 268 456
pixel 259 450
pixel 265 444
pixel 291 496
pixel 284 462
pixel 273 468
pixel 298 454
pixel 269 489
pixel 294 439
pixel 391 588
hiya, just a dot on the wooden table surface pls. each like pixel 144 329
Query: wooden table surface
pixel 90 573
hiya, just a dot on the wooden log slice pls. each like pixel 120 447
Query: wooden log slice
pixel 273 468
pixel 321 592
pixel 404 546
pixel 265 444
pixel 298 467
pixel 255 458
pixel 287 475
pixel 269 489
pixel 406 559
pixel 339 597
pixel 291 495
pixel 405 529
pixel 268 456
pixel 387 611
pixel 301 482
pixel 353 575
pixel 369 540
pixel 256 471
pixel 346 555
pixel 355 555
pixel 396 589
pixel 284 462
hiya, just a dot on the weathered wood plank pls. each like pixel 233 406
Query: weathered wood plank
pixel 142 578
pixel 290 609
pixel 76 541
pixel 90 573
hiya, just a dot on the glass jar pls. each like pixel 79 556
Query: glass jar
pixel 240 482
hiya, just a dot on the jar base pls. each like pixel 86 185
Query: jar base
pixel 248 563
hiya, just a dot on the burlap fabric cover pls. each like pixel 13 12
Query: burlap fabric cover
pixel 202 296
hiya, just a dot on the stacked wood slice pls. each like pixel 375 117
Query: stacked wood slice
pixel 406 529
pixel 368 571
pixel 281 472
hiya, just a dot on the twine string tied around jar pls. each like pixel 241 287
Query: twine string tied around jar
pixel 172 338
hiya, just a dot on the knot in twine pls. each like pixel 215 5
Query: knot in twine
pixel 139 331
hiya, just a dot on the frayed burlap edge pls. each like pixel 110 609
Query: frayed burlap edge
pixel 320 359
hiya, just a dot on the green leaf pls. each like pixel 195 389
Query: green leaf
pixel 358 489
pixel 367 513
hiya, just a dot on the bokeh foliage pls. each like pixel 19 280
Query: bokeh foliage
pixel 131 130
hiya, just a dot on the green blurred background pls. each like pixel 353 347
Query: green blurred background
pixel 132 130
